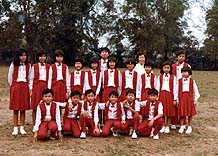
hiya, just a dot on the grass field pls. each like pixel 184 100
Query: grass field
pixel 202 142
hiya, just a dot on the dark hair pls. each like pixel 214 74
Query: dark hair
pixel 59 52
pixel 131 91
pixel 153 91
pixel 130 61
pixel 111 59
pixel 180 52
pixel 105 49
pixel 75 93
pixel 39 54
pixel 164 64
pixel 139 54
pixel 148 63
pixel 115 93
pixel 46 91
pixel 19 53
pixel 78 60
pixel 93 60
pixel 89 91
pixel 187 69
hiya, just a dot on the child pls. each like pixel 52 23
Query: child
pixel 166 85
pixel 129 78
pixel 18 78
pixel 59 78
pixel 145 82
pixel 87 116
pixel 113 113
pixel 105 52
pixel 188 96
pixel 131 109
pixel 38 81
pixel 77 77
pixel 93 77
pixel 139 68
pixel 111 79
pixel 152 112
pixel 181 57
pixel 72 113
pixel 47 117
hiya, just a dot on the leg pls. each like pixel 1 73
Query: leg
pixel 136 121
pixel 116 125
pixel 22 118
pixel 83 120
pixel 75 128
pixel 15 118
pixel 189 129
pixel 106 129
pixel 125 127
pixel 34 116
pixel 43 130
pixel 157 126
pixel 182 124
pixel 67 125
pixel 143 129
pixel 92 127
pixel 190 121
pixel 52 126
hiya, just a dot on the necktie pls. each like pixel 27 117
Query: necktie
pixel 111 71
pixel 166 75
pixel 47 104
pixel 186 79
pixel 77 72
pixel 112 106
pixel 130 73
pixel 148 75
pixel 42 64
pixel 90 103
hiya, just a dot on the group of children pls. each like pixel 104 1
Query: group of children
pixel 136 102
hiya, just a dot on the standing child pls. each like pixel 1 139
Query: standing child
pixel 188 96
pixel 113 114
pixel 167 87
pixel 59 78
pixel 139 68
pixel 131 109
pixel 72 114
pixel 93 77
pixel 153 113
pixel 145 82
pixel 38 81
pixel 129 78
pixel 87 116
pixel 77 77
pixel 18 78
pixel 47 117
pixel 105 52
pixel 111 79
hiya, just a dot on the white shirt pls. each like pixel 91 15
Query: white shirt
pixel 147 83
pixel 185 88
pixel 89 109
pixel 112 112
pixel 42 74
pixel 59 75
pixel 139 69
pixel 103 65
pixel 94 81
pixel 21 74
pixel 129 79
pixel 178 70
pixel 129 113
pixel 47 116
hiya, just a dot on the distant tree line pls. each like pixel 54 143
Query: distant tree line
pixel 154 27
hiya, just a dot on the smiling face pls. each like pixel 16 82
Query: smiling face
pixel 113 99
pixel 130 97
pixel 112 64
pixel 141 59
pixel 75 99
pixel 78 65
pixel 90 97
pixel 152 97
pixel 130 66
pixel 94 65
pixel 47 97
pixel 42 58
pixel 148 69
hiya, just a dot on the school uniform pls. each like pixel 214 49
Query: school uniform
pixel 70 121
pixel 77 81
pixel 47 118
pixel 145 82
pixel 103 65
pixel 167 88
pixel 88 121
pixel 38 82
pixel 177 67
pixel 111 82
pixel 129 81
pixel 59 81
pixel 149 112
pixel 188 92
pixel 113 115
pixel 132 120
pixel 18 78
pixel 139 68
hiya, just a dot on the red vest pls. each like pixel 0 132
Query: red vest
pixel 126 109
pixel 90 78
pixel 146 109
pixel 54 73
pixel 66 112
pixel 134 81
pixel 52 111
pixel 143 77
pixel 36 72
pixel 116 78
pixel 191 88
pixel 171 80
pixel 82 78
pixel 93 107
pixel 175 65
pixel 15 75
pixel 118 112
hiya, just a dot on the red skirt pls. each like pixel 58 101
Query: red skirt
pixel 106 93
pixel 123 94
pixel 167 100
pixel 19 96
pixel 59 91
pixel 186 105
pixel 78 88
pixel 144 94
pixel 37 93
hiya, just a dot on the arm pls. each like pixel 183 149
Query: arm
pixel 31 78
pixel 139 87
pixel 10 74
pixel 158 84
pixel 67 79
pixel 196 92
pixel 58 117
pixel 38 119
pixel 175 89
pixel 99 85
pixel 50 77
pixel 123 117
pixel 86 81
pixel 120 83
